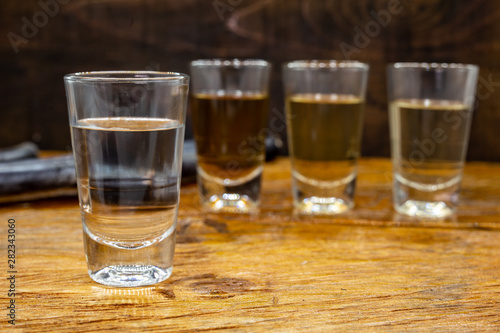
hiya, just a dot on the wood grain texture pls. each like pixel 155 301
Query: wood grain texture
pixel 165 35
pixel 368 270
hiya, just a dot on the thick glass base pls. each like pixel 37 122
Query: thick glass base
pixel 323 206
pixel 229 197
pixel 424 209
pixel 129 265
pixel 130 275
pixel 231 203
pixel 423 200
pixel 330 198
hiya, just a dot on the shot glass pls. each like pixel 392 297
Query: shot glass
pixel 324 109
pixel 229 105
pixel 430 113
pixel 127 133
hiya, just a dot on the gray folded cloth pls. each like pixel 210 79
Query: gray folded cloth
pixel 34 174
pixel 22 172
pixel 18 152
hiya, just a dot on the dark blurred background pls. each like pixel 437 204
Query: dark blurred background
pixel 44 39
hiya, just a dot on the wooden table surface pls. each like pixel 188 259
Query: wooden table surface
pixel 369 270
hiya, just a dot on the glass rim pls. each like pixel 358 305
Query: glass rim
pixel 432 65
pixel 219 63
pixel 126 76
pixel 325 64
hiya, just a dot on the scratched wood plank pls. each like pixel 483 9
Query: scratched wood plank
pixel 275 271
pixel 166 35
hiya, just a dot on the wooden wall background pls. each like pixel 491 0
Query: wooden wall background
pixel 80 35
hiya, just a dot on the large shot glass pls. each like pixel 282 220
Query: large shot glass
pixel 430 113
pixel 324 107
pixel 127 134
pixel 229 105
